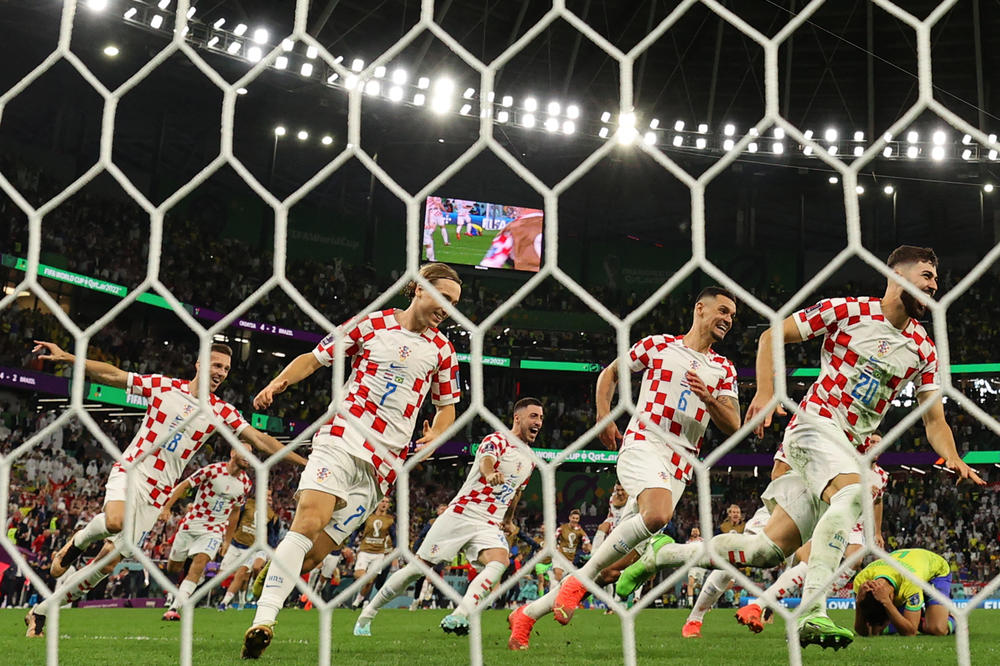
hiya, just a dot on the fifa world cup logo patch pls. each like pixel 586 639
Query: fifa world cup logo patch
pixel 323 474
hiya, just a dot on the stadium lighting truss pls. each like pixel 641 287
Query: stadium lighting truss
pixel 179 23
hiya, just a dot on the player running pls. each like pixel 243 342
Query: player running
pixel 209 523
pixel 377 539
pixel 397 357
pixel 246 533
pixel 476 521
pixel 158 453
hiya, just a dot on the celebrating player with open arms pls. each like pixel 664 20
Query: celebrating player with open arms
pixel 397 356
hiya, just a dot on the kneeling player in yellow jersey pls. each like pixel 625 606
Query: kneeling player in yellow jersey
pixel 886 599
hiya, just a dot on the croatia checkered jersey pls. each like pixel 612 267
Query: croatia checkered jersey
pixel 480 500
pixel 170 445
pixel 666 400
pixel 865 363
pixel 218 493
pixel 392 370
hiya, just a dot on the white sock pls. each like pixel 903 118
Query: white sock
pixel 599 538
pixel 394 586
pixel 542 605
pixel 829 541
pixel 73 587
pixel 184 591
pixel 226 599
pixel 242 597
pixel 444 234
pixel 285 568
pixel 753 550
pixel 620 542
pixel 789 584
pixel 714 587
pixel 480 587
pixel 430 252
pixel 95 530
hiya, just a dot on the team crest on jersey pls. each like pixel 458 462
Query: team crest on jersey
pixel 664 476
pixel 695 365
pixel 434 549
pixel 323 474
pixel 404 352
pixel 883 347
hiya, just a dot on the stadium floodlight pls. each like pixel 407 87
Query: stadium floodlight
pixel 752 131
pixel 240 29
pixel 423 83
pixel 234 48
pixel 280 130
pixel 163 4
pixel 351 81
pixel 777 148
pixel 260 35
pixel 939 137
pixel 302 135
pixel 396 93
pixel 937 153
pixel 654 123
pixel 859 189
pixel 779 133
pixel 967 154
pixel 627 134
pixel 333 77
pixel 111 50
pixel 213 41
pixel 832 150
pixel 241 91
pixel 833 180
pixel 912 136
pixel 702 128
pixel 887 151
pixel 551 124
pixel 859 136
pixel 553 108
pixel 254 54
pixel 507 101
pixel 830 135
pixel 399 76
pixel 649 138
pixel 858 151
pixel 606 116
pixel 287 45
pixel 678 126
pixel 465 109
pixel 380 72
pixel 156 22
pixel 326 140
pixel 729 129
pixel 281 62
pixel 419 99
pixel 357 65
pixel 888 189
pixel 700 143
pixel 988 187
pixel 129 13
pixel 808 134
pixel 967 139
pixel 678 141
pixel 912 152
pixel 992 155
pixel 568 127
pixel 373 87
pixel 469 92
pixel 97 5
pixel 808 150
pixel 191 11
pixel 528 120
pixel 218 24
pixel 992 138
pixel 307 69
pixel 441 99
pixel 572 112
pixel 530 104
pixel 312 52
pixel 503 116
pixel 603 133
pixel 752 147
pixel 728 144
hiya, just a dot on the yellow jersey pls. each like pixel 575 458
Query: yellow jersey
pixel 924 564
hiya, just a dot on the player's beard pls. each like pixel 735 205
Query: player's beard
pixel 913 307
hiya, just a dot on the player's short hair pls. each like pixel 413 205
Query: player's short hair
pixel 576 512
pixel 911 254
pixel 715 291
pixel 872 611
pixel 222 349
pixel 527 402
pixel 432 272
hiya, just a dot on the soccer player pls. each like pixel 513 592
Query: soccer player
pixel 246 532
pixel 477 521
pixel 696 575
pixel 872 349
pixel 209 523
pixel 463 210
pixel 570 538
pixel 888 599
pixel 434 219
pixel 159 452
pixel 616 508
pixel 397 357
pixel 518 243
pixel 376 540
pixel 685 384
pixel 734 520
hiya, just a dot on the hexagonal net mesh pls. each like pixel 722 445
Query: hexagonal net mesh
pixel 550 269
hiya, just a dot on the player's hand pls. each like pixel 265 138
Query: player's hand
pixel 429 436
pixel 495 479
pixel 879 541
pixel 698 387
pixel 881 593
pixel 266 396
pixel 165 514
pixel 51 352
pixel 611 436
pixel 757 406
pixel 964 471
pixel 222 551
pixel 510 529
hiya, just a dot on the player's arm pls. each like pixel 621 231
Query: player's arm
pixel 301 367
pixel 488 470
pixel 443 418
pixel 584 541
pixel 510 528
pixel 942 439
pixel 724 411
pixel 180 490
pixel 765 373
pixel 877 509
pixel 607 384
pixel 99 371
pixel 234 521
pixel 264 442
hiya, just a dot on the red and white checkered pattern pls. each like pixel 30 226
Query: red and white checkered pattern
pixel 666 399
pixel 170 402
pixel 392 369
pixel 865 363
pixel 218 493
pixel 479 500
pixel 499 252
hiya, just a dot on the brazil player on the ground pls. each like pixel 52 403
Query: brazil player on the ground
pixel 158 453
pixel 398 356
pixel 476 521
pixel 209 523
pixel 886 599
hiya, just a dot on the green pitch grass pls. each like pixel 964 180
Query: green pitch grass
pixel 464 250
pixel 132 636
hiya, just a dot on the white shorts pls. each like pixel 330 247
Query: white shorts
pixel 428 237
pixel 698 574
pixel 188 543
pixel 231 561
pixel 144 514
pixel 789 492
pixel 329 565
pixel 819 450
pixel 368 561
pixel 857 536
pixel 756 524
pixel 331 469
pixel 452 533
pixel 645 465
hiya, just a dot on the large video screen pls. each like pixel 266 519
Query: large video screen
pixel 485 235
